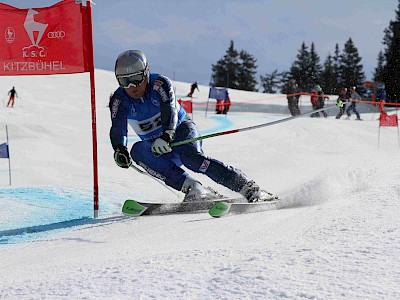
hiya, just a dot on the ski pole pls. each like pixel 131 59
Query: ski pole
pixel 144 172
pixel 248 128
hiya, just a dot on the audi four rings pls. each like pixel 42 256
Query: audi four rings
pixel 56 34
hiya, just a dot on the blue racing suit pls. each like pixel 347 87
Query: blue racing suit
pixel 151 115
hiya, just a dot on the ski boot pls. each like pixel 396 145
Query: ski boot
pixel 252 192
pixel 196 192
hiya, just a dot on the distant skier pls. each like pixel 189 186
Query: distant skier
pixel 192 88
pixel 341 102
pixel 13 94
pixel 147 102
pixel 353 97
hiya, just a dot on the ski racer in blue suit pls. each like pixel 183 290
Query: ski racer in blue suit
pixel 147 102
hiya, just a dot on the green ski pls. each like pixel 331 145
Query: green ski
pixel 133 208
pixel 222 208
pixel 219 209
pixel 136 209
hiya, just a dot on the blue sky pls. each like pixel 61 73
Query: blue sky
pixel 182 39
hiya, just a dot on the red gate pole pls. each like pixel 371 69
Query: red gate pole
pixel 88 28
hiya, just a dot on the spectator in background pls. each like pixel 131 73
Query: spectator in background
pixel 227 104
pixel 342 99
pixel 318 101
pixel 293 97
pixel 380 93
pixel 354 96
pixel 222 106
pixel 219 106
pixel 192 88
pixel 13 94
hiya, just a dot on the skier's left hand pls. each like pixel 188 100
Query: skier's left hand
pixel 122 157
pixel 162 144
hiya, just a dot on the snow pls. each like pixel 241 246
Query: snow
pixel 335 236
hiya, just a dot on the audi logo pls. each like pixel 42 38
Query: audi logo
pixel 56 34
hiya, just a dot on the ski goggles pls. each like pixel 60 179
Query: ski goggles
pixel 134 79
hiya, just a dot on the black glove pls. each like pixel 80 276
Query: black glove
pixel 122 157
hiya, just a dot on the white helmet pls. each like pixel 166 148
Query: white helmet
pixel 131 68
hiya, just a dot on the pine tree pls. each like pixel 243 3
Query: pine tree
pixel 219 74
pixel 378 73
pixel 391 72
pixel 336 69
pixel 328 79
pixel 351 69
pixel 314 70
pixel 225 71
pixel 391 65
pixel 389 32
pixel 306 70
pixel 235 70
pixel 283 84
pixel 299 68
pixel 247 71
pixel 270 82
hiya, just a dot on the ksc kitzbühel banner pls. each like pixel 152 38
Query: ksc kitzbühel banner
pixel 48 40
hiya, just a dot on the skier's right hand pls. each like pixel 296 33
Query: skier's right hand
pixel 340 103
pixel 162 144
pixel 122 157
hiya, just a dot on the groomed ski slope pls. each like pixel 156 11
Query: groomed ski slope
pixel 336 236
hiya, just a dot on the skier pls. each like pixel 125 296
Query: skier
pixel 354 96
pixel 192 88
pixel 147 102
pixel 293 97
pixel 13 94
pixel 341 102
